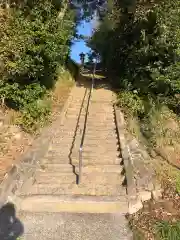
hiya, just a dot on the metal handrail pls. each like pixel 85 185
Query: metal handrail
pixel 84 128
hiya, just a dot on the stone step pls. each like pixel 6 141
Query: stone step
pixel 50 167
pixel 99 111
pixel 104 128
pixel 104 153
pixel 90 136
pixel 74 109
pixel 48 203
pixel 101 100
pixel 74 115
pixel 100 108
pixel 55 177
pixel 97 161
pixel 98 104
pixel 91 113
pixel 92 119
pixel 100 132
pixel 58 146
pixel 55 160
pixel 102 168
pixel 100 125
pixel 64 140
pixel 61 135
pixel 102 178
pixel 101 148
pixel 96 158
pixel 75 106
pixel 97 177
pixel 97 142
pixel 58 154
pixel 63 148
pixel 74 189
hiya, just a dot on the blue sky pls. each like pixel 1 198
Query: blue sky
pixel 85 28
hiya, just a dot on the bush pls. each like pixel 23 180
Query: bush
pixel 34 42
pixel 131 102
pixel 34 115
pixel 18 96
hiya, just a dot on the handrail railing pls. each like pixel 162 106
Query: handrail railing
pixel 84 128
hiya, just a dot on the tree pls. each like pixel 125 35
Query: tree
pixel 34 41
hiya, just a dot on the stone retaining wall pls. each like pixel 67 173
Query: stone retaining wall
pixel 140 177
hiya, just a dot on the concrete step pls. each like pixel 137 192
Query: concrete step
pixel 101 101
pixel 93 142
pixel 97 161
pixel 102 169
pixel 92 114
pixel 99 133
pixel 75 106
pixel 50 167
pixel 91 120
pixel 47 203
pixel 104 154
pixel 101 148
pixel 74 189
pixel 58 154
pixel 65 136
pixel 101 143
pixel 95 136
pixel 100 125
pixel 102 178
pixel 55 160
pixel 64 140
pixel 66 129
pixel 74 115
pixel 64 148
pixel 101 105
pixel 55 177
pixel 99 112
pixel 58 146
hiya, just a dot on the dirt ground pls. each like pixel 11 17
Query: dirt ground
pixel 167 209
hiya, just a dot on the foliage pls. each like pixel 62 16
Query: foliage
pixel 34 42
pixel 168 231
pixel 34 115
pixel 142 48
pixel 131 101
pixel 19 96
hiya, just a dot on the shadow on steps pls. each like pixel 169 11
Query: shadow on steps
pixel 10 226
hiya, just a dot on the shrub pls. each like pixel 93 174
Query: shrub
pixel 34 115
pixel 34 42
pixel 131 102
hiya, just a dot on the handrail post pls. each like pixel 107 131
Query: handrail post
pixel 84 129
pixel 80 165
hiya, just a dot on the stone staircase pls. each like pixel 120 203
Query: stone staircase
pixel 53 188
pixel 102 171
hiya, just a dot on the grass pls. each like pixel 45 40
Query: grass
pixel 168 231
pixel 166 172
